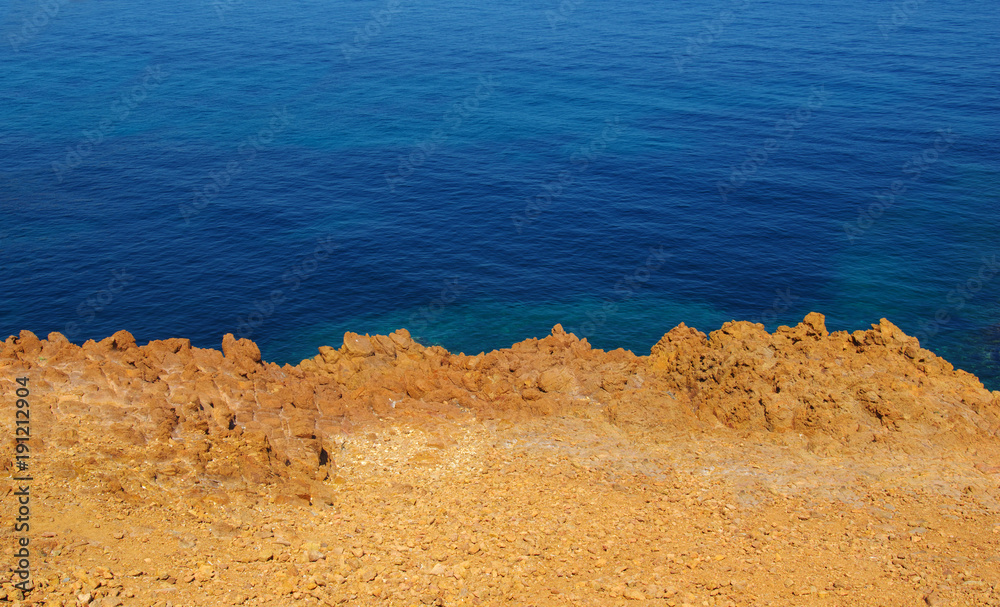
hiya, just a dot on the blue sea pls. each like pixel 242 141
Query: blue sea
pixel 288 170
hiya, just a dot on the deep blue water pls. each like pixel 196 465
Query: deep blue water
pixel 479 171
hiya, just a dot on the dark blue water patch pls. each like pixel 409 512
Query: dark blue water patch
pixel 208 206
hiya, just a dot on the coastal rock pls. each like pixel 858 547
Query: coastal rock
pixel 740 466
pixel 242 353
pixel 358 345
pixel 807 380
pixel 555 379
pixel 230 416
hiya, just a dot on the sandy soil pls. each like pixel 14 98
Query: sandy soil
pixel 594 500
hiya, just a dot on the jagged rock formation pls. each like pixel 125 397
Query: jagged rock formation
pixel 844 385
pixel 175 410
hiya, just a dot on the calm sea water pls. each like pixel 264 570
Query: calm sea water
pixel 479 171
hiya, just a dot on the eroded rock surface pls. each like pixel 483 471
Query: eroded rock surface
pixel 412 467
pixel 229 416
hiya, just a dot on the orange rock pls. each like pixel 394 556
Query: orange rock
pixel 222 411
pixel 357 345
pixel 122 340
pixel 242 353
pixel 555 379
pixel 27 344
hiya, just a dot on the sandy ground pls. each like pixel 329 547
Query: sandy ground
pixel 566 510
pixel 739 468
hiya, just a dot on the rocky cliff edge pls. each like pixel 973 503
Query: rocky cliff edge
pixel 169 410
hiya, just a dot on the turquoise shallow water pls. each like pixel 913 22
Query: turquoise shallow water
pixel 477 172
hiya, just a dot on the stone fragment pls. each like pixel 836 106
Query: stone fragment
pixel 242 353
pixel 358 345
pixel 554 379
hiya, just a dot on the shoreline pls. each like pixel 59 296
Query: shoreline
pixel 735 469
